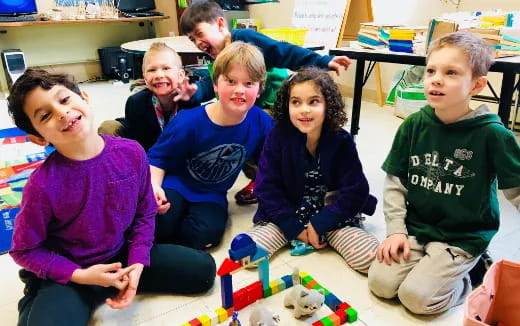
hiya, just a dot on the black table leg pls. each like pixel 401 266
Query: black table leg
pixel 506 96
pixel 358 92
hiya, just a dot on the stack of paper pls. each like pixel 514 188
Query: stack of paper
pixel 373 35
pixel 505 41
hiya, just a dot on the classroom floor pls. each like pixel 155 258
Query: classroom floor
pixel 378 126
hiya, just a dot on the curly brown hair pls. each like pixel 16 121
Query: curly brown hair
pixel 335 116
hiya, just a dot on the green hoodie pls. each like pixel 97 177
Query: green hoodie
pixel 451 172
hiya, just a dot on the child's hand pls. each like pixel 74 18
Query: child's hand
pixel 390 248
pixel 161 200
pixel 185 90
pixel 339 61
pixel 314 238
pixel 126 295
pixel 103 275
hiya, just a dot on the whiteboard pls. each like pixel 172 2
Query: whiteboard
pixel 322 18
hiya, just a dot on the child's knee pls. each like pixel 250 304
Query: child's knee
pixel 413 298
pixel 380 282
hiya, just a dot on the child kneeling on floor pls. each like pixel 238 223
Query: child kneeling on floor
pixel 440 198
pixel 84 234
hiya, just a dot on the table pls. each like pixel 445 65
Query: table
pixel 181 44
pixel 509 67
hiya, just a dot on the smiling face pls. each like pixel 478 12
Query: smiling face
pixel 448 82
pixel 59 115
pixel 162 72
pixel 307 109
pixel 210 37
pixel 236 90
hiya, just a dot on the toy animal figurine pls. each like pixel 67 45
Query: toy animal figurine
pixel 234 320
pixel 305 301
pixel 261 316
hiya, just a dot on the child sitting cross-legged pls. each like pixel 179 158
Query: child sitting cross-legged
pixel 200 153
pixel 84 234
pixel 310 181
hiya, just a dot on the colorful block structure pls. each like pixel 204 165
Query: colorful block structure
pixel 243 253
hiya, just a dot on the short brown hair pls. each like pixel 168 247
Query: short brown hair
pixel 199 12
pixel 244 54
pixel 479 53
pixel 31 79
pixel 159 47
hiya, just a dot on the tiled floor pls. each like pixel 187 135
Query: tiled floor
pixel 378 126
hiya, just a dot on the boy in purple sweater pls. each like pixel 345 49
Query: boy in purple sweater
pixel 84 234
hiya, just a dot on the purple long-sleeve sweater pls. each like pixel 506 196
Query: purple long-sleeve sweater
pixel 79 213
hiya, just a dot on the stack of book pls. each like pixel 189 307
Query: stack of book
pixel 407 39
pixel 373 35
pixel 505 41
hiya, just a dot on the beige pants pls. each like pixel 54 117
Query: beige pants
pixel 433 279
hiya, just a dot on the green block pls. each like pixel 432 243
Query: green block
pixel 326 321
pixel 306 280
pixel 352 315
pixel 318 287
pixel 281 284
pixel 268 292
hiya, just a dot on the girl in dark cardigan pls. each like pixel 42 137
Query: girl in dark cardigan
pixel 310 183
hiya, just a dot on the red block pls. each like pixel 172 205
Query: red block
pixel 343 306
pixel 195 322
pixel 342 314
pixel 318 323
pixel 255 291
pixel 240 299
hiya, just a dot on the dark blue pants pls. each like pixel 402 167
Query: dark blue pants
pixel 173 270
pixel 195 225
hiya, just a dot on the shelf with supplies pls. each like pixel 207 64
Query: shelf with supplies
pixel 82 21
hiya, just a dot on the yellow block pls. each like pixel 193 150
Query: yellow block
pixel 222 314
pixel 204 320
pixel 274 287
pixel 303 274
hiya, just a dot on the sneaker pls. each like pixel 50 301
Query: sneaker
pixel 246 195
pixel 476 274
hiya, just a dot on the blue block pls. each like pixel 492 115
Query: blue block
pixel 226 291
pixel 288 281
pixel 263 273
pixel 332 301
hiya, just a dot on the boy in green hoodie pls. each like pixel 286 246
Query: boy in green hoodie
pixel 440 200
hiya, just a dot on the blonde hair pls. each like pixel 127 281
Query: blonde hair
pixel 478 52
pixel 245 55
pixel 159 47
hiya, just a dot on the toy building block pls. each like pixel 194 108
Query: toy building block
pixel 311 284
pixel 226 291
pixel 230 311
pixel 205 320
pixel 255 291
pixel 263 273
pixel 318 287
pixel 332 301
pixel 185 324
pixel 195 322
pixel 352 315
pixel 336 321
pixel 222 314
pixel 303 274
pixel 288 281
pixel 306 279
pixel 281 284
pixel 268 292
pixel 260 254
pixel 228 267
pixel 318 323
pixel 213 316
pixel 326 321
pixel 274 287
pixel 343 306
pixel 242 247
pixel 342 314
pixel 240 299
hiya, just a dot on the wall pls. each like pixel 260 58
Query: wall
pixel 74 46
pixel 408 12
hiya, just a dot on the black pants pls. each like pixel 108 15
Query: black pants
pixel 195 225
pixel 173 270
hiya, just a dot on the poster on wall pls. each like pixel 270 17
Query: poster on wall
pixel 322 18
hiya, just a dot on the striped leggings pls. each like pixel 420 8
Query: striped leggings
pixel 355 245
